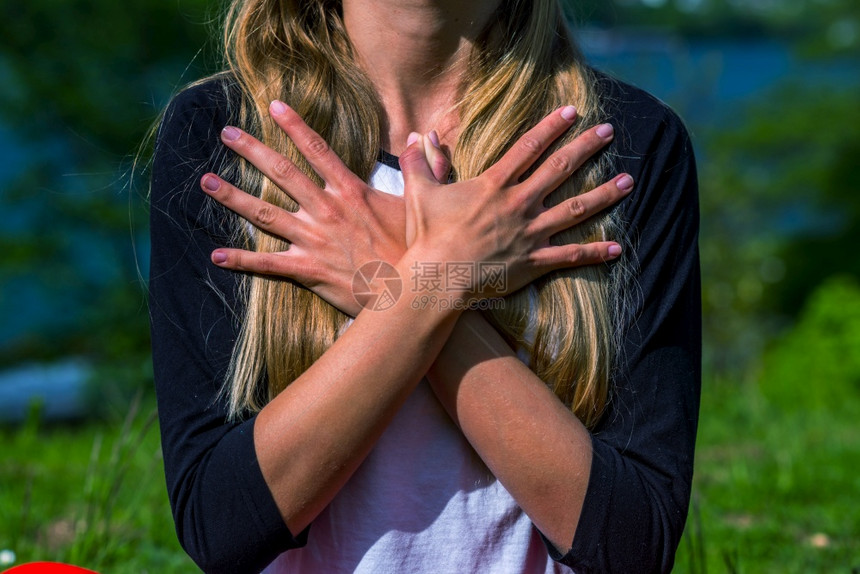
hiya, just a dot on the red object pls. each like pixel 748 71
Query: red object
pixel 47 568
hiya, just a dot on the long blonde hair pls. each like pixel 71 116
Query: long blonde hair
pixel 523 67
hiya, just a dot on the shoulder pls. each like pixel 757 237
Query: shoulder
pixel 188 134
pixel 653 145
pixel 643 122
pixel 200 110
pixel 188 145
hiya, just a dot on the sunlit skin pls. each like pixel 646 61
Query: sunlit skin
pixel 432 41
pixel 531 442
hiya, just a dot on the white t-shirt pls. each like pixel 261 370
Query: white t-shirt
pixel 422 500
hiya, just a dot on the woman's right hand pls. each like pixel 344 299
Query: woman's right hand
pixel 499 219
pixel 338 227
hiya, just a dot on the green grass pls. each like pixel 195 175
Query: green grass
pixel 91 495
pixel 774 491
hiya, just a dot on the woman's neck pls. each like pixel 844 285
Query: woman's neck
pixel 415 53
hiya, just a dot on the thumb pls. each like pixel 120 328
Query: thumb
pixel 439 162
pixel 413 162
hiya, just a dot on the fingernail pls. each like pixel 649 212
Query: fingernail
pixel 605 130
pixel 231 134
pixel 568 113
pixel 434 139
pixel 614 250
pixel 413 137
pixel 277 107
pixel 211 183
pixel 219 257
pixel 624 183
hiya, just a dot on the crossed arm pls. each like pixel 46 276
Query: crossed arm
pixel 531 442
pixel 641 467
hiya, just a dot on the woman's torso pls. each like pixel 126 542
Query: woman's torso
pixel 422 501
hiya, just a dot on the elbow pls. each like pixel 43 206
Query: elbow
pixel 637 533
pixel 669 518
pixel 664 511
pixel 225 518
pixel 216 546
pixel 194 538
pixel 650 548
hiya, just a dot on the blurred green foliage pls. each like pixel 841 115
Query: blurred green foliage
pixel 819 27
pixel 816 365
pixel 94 72
pixel 780 205
pixel 83 82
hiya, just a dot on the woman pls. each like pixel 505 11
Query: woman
pixel 555 430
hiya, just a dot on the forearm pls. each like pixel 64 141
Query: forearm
pixel 531 442
pixel 313 435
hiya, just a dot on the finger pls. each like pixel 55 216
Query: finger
pixel 314 148
pixel 261 214
pixel 439 163
pixel 283 264
pixel 577 209
pixel 413 162
pixel 560 165
pixel 273 165
pixel 532 144
pixel 556 257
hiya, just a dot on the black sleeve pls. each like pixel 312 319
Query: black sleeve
pixel 225 516
pixel 639 488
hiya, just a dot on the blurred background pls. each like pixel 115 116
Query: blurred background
pixel 770 91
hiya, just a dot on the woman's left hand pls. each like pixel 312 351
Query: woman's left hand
pixel 337 228
pixel 499 218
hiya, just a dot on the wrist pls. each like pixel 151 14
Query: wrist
pixel 432 282
pixel 466 283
